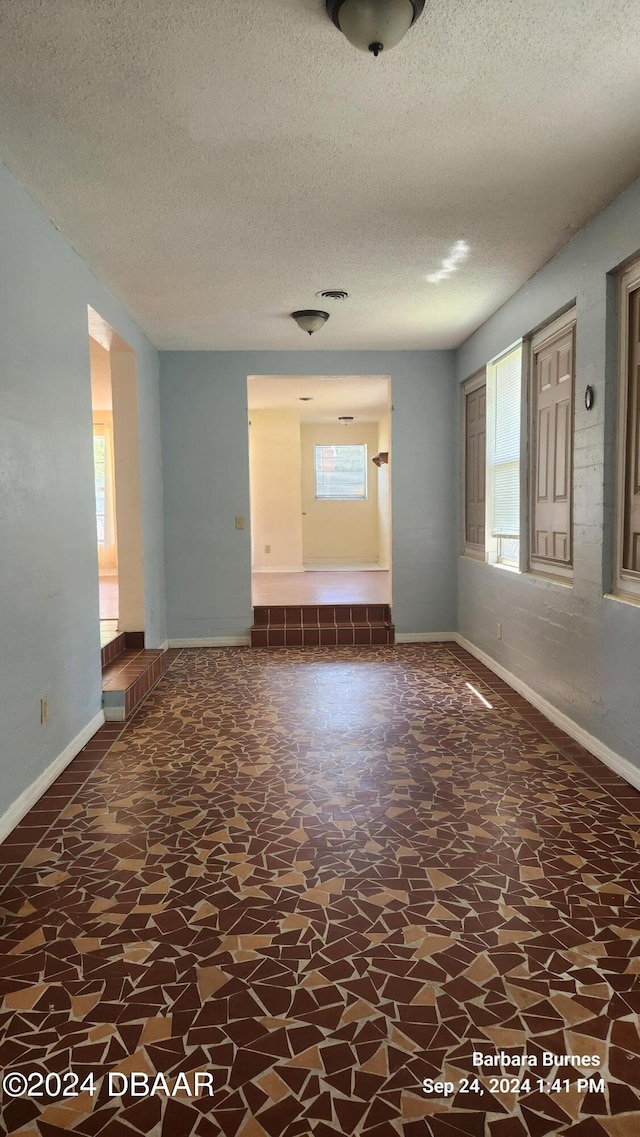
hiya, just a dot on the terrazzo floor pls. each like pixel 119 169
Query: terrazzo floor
pixel 324 876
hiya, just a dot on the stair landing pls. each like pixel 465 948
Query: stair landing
pixel 322 625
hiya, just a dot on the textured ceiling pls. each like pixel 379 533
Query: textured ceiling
pixel 217 163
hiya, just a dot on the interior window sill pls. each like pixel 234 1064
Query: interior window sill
pixel 550 578
pixel 623 598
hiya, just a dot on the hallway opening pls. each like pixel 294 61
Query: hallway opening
pixel 114 401
pixel 320 490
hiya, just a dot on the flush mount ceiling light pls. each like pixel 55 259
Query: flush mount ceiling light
pixel 310 319
pixel 346 420
pixel 374 25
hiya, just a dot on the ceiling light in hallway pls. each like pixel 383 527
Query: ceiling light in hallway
pixel 374 25
pixel 310 319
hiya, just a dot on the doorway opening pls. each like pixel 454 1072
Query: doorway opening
pixel 320 489
pixel 114 401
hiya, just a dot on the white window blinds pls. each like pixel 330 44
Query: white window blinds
pixel 341 472
pixel 505 458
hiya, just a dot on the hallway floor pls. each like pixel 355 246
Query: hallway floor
pixel 109 597
pixel 325 876
pixel 322 587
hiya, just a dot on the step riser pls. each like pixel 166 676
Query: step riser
pixel 314 615
pixel 112 650
pixel 116 646
pixel 322 636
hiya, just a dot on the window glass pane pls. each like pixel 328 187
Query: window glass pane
pixel 508 550
pixel 506 449
pixel 341 472
pixel 99 466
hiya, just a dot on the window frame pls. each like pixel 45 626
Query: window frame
pixel 626 581
pixel 474 383
pixel 336 445
pixel 538 566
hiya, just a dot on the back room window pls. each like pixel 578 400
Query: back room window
pixel 341 473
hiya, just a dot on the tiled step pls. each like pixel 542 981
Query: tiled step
pixel 127 679
pixel 112 648
pixel 324 625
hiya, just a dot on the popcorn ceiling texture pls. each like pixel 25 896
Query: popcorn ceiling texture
pixel 326 875
pixel 217 163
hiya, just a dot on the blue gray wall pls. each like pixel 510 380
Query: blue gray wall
pixel 206 482
pixel 577 647
pixel 49 616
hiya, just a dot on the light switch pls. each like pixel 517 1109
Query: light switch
pixel 239 522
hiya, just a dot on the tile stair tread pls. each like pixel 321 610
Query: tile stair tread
pixel 123 671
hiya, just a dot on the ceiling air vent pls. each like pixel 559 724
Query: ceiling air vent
pixel 333 294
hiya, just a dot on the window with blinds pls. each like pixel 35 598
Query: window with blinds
pixel 504 450
pixel 475 453
pixel 341 472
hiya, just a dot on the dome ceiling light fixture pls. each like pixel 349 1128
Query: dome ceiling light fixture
pixel 310 319
pixel 374 25
pixel 346 420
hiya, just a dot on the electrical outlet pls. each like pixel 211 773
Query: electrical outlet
pixel 499 631
pixel 267 548
pixel 239 522
pixel 44 710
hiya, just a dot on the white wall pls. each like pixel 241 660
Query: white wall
pixel 126 444
pixel 575 646
pixel 339 532
pixel 206 482
pixel 48 553
pixel 276 492
pixel 383 474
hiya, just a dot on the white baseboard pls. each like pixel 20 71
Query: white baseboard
pixel 280 568
pixel 609 757
pixel 28 798
pixel 213 641
pixel 343 566
pixel 426 637
pixel 114 714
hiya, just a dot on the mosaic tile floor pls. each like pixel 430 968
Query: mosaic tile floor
pixel 325 876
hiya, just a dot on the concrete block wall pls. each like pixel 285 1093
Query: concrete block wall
pixel 576 646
